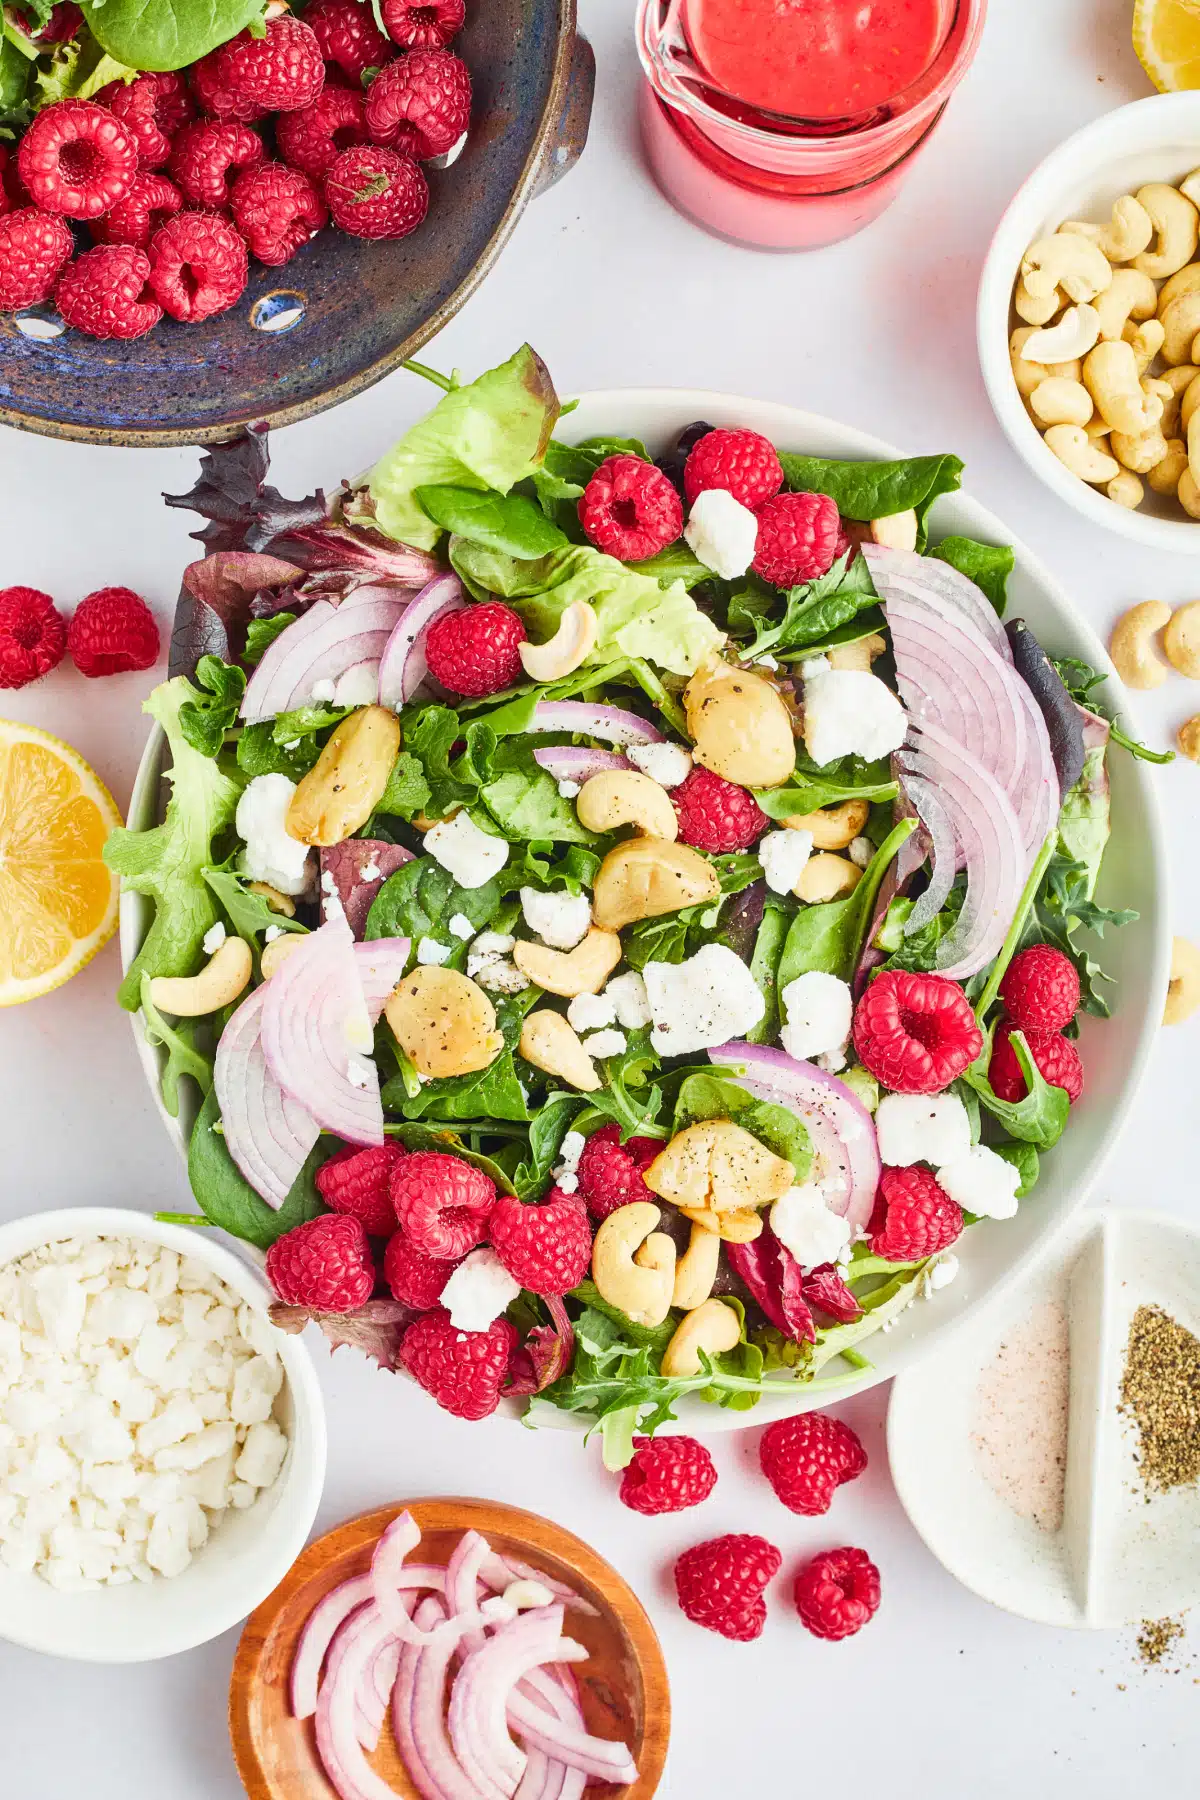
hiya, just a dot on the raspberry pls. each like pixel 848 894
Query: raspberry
pixel 103 293
pixel 667 1474
pixel 276 209
pixel 415 1279
pixel 916 1033
pixel 6 200
pixel 375 193
pixel 198 266
pixel 806 1460
pixel 1055 1057
pixel 33 249
pixel 112 632
pixel 610 1172
pixel 348 36
pixel 741 462
pixel 546 1248
pixel 1040 989
pixel 357 1182
pixel 837 1593
pixel 715 814
pixel 62 25
pixel 324 1263
pixel 477 651
pixel 421 103
pixel 215 98
pixel 423 24
pixel 152 109
pixel 33 636
pixel 720 1584
pixel 280 71
pixel 442 1203
pixel 150 202
pixel 797 537
pixel 629 509
pixel 824 1289
pixel 312 137
pixel 206 156
pixel 463 1370
pixel 77 159
pixel 914 1217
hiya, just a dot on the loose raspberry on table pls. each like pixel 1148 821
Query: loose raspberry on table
pixel 423 24
pixel 104 293
pixel 150 202
pixel 548 1247
pixel 477 651
pixel 1055 1057
pixel 348 36
pixel 1040 989
pixel 77 159
pixel 313 137
pixel 359 1182
pixel 152 108
pixel 34 246
pixel 837 1593
pixel 463 1370
pixel 198 266
pixel 415 1279
pixel 276 209
pixel 610 1172
pixel 720 1584
pixel 442 1203
pixel 797 538
pixel 420 103
pixel 806 1460
pixel 716 815
pixel 629 509
pixel 376 193
pixel 741 462
pixel 280 71
pixel 325 1263
pixel 207 156
pixel 914 1216
pixel 113 631
pixel 915 1033
pixel 215 99
pixel 667 1474
pixel 33 636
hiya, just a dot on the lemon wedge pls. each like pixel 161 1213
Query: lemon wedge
pixel 1166 37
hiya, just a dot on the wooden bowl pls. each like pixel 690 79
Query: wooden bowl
pixel 623 1687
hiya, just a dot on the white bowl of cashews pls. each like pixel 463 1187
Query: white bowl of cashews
pixel 1089 321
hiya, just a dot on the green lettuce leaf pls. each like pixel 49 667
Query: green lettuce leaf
pixel 829 935
pixel 872 490
pixel 205 720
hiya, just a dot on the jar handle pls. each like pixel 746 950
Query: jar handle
pixel 566 146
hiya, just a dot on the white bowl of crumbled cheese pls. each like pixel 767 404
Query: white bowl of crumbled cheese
pixel 162 1445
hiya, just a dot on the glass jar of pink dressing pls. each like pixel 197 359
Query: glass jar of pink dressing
pixel 788 124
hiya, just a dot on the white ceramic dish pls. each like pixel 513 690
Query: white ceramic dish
pixel 1118 1557
pixel 1152 140
pixel 247 1555
pixel 1134 875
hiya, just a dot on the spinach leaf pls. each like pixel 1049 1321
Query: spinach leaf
pixel 261 634
pixel 764 966
pixel 818 608
pixel 226 1197
pixel 491 1093
pixel 205 719
pixel 431 737
pixel 520 795
pixel 15 72
pixel 259 754
pixel 419 900
pixel 676 563
pixel 872 490
pixel 987 565
pixel 248 913
pixel 827 784
pixel 1041 1116
pixel 184 1056
pixel 508 523
pixel 712 1097
pixel 550 1126
pixel 1025 1159
pixel 407 791
pixel 167 34
pixel 415 1136
pixel 829 936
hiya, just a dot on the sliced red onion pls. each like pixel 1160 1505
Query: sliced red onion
pixel 907 572
pixel 484 1685
pixel 609 723
pixel 319 1630
pixel 341 1754
pixel 316 1032
pixel 498 1571
pixel 572 762
pixel 320 646
pixel 564 1739
pixel 462 1581
pixel 403 667
pixel 381 965
pixel 943 852
pixel 841 1128
pixel 418 1712
pixel 267 1132
pixel 546 1776
pixel 373 1701
pixel 947 673
pixel 1037 805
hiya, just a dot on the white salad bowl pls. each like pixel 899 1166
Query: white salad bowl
pixel 248 1553
pixel 991 1254
pixel 1151 140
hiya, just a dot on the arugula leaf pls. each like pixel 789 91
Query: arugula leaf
pixel 872 490
pixel 431 736
pixel 261 634
pixel 184 1056
pixel 419 900
pixel 987 565
pixel 625 1096
pixel 1041 1117
pixel 1079 679
pixel 508 523
pixel 918 953
pixel 764 966
pixel 712 1097
pixel 205 720
pixel 166 34
pixel 829 935
pixel 225 1196
pixel 248 913
pixel 407 791
pixel 259 754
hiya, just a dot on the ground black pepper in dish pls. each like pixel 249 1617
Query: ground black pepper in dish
pixel 1160 1391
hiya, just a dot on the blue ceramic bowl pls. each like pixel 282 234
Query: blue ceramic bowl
pixel 342 313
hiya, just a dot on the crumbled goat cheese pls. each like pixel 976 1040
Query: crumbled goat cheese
pixel 628 994
pixel 939 1274
pixel 569 1152
pixel 982 1183
pixel 569 790
pixel 606 1043
pixel 860 850
pixel 783 855
pixel 213 938
pixel 560 920
pixel 707 1000
pixel 818 1009
pixel 322 693
pixel 370 871
pixel 850 713
pixel 930 1128
pixel 489 963
pixel 359 686
pixel 814 666
pixel 812 1232
pixel 591 1012
pixel 766 662
pixel 668 764
pixel 271 853
pixel 832 1061
pixel 460 926
pixel 271 933
pixel 491 943
pixel 472 856
pixel 722 533
pixel 430 951
pixel 478 1291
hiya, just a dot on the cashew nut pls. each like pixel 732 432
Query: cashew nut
pixel 278 951
pixel 643 878
pixel 740 726
pixel 1183 990
pixel 1190 185
pixel 633 1265
pixel 833 827
pixel 1125 236
pixel 1035 309
pixel 1058 402
pixel 1176 224
pixel 859 655
pixel 1178 380
pixel 218 983
pixel 1027 375
pixel 1069 262
pixel 896 531
pixel 1131 645
pixel 739 1225
pixel 1188 402
pixel 1188 494
pixel 346 783
pixel 1145 340
pixel 1188 737
pixel 1077 452
pixel 713 1328
pixel 570 646
pixel 1110 373
pixel 278 903
pixel 696 1269
pixel 1180 323
pixel 444 1022
pixel 1181 640
pixel 623 797
pixel 1126 490
pixel 1131 296
pixel 550 1044
pixel 1163 478
pixel 583 970
pixel 1139 451
pixel 1073 335
pixel 1193 445
pixel 827 878
pixel 717 1165
pixel 1186 281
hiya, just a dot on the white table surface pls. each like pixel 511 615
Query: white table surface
pixel 941 1695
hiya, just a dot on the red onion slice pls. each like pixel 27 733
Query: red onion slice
pixel 907 572
pixel 267 1133
pixel 403 668
pixel 320 1627
pixel 320 646
pixel 483 1687
pixel 381 964
pixel 418 1717
pixel 572 762
pixel 951 676
pixel 609 723
pixel 314 1018
pixel 943 853
pixel 341 1754
pixel 564 1739
pixel 498 1571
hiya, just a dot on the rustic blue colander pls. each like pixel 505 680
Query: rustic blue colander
pixel 342 313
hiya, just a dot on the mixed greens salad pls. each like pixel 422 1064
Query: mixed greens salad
pixel 978 831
